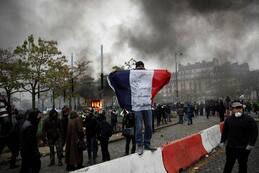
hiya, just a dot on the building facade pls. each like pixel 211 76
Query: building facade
pixel 206 80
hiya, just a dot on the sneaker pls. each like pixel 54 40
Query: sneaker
pixel 149 147
pixel 139 150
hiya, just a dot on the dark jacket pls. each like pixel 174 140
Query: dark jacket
pixel 105 130
pixel 189 110
pixel 91 126
pixel 29 144
pixel 52 129
pixel 239 131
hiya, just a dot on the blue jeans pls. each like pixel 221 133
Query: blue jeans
pixel 145 116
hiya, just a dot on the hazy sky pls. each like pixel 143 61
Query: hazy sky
pixel 148 30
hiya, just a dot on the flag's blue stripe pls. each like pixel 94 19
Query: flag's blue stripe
pixel 121 84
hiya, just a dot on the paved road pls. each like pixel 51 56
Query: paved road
pixel 216 161
pixel 116 149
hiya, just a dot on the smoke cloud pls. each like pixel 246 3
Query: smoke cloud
pixel 200 29
pixel 148 30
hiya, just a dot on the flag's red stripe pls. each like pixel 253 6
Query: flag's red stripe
pixel 160 79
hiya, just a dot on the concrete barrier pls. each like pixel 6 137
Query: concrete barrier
pixel 171 158
pixel 149 162
pixel 211 137
pixel 182 153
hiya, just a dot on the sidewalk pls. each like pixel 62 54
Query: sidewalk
pixel 215 161
pixel 5 157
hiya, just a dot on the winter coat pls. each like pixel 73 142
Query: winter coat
pixel 74 133
pixel 239 131
pixel 64 124
pixel 29 144
pixel 91 126
pixel 52 129
pixel 105 131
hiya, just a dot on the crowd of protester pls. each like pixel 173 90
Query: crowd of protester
pixel 73 132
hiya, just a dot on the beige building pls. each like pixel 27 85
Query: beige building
pixel 205 80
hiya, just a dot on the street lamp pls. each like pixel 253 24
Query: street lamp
pixel 176 73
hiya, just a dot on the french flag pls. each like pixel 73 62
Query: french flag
pixel 135 89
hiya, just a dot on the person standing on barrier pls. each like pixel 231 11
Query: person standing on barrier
pixel 240 133
pixel 146 116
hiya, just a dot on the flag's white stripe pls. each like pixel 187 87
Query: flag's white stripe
pixel 141 86
pixel 109 82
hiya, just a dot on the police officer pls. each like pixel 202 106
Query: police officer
pixel 239 133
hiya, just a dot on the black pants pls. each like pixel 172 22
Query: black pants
pixel 239 154
pixel 92 147
pixel 104 147
pixel 128 139
pixel 59 149
pixel 30 165
pixel 158 119
pixel 201 112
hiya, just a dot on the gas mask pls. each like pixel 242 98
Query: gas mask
pixel 238 114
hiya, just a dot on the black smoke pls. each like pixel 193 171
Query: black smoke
pixel 200 29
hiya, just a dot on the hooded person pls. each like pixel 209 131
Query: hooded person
pixel 240 133
pixel 52 134
pixel 29 146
